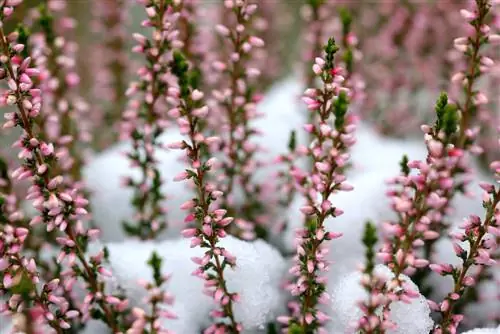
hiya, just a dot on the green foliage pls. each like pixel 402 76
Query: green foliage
pixel 346 19
pixel 272 328
pixel 450 119
pixel 370 240
pixel 46 21
pixel 439 108
pixel 295 329
pixel 447 116
pixel 404 165
pixel 315 4
pixel 180 67
pixel 330 49
pixel 25 286
pixel 340 107
pixel 24 35
pixel 292 142
pixel 155 263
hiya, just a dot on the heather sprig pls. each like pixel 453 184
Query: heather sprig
pixel 350 58
pixel 144 122
pixel 156 297
pixel 480 236
pixel 210 223
pixel 313 35
pixel 236 108
pixel 421 201
pixel 64 118
pixel 372 283
pixel 285 185
pixel 109 59
pixel 59 206
pixel 332 136
pixel 476 64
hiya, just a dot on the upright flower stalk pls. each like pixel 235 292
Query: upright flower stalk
pixel 157 298
pixel 476 65
pixel 210 223
pixel 236 103
pixel 60 207
pixel 332 137
pixel 313 36
pixel 109 84
pixel 474 101
pixel 54 55
pixel 143 120
pixel 420 201
pixel 372 283
pixel 480 235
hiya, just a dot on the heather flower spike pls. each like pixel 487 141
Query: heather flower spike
pixel 236 101
pixel 480 236
pixel 471 47
pixel 144 122
pixel 157 298
pixel 420 201
pixel 332 135
pixel 210 223
pixel 59 208
pixel 372 283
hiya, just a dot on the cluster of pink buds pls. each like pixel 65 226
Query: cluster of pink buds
pixel 235 107
pixel 210 224
pixel 314 14
pixel 421 199
pixel 20 274
pixel 60 207
pixel 350 57
pixel 328 152
pixel 481 235
pixel 144 121
pixel 476 64
pixel 157 298
pixel 110 60
pixel 54 55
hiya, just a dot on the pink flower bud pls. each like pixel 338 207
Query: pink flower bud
pixel 468 15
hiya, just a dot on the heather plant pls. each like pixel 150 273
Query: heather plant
pixel 233 201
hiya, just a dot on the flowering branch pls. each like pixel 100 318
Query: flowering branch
pixel 59 207
pixel 314 35
pixel 329 153
pixel 211 224
pixel 480 247
pixel 471 46
pixel 110 83
pixel 420 202
pixel 144 123
pixel 372 283
pixel 155 297
pixel 59 82
pixel 237 103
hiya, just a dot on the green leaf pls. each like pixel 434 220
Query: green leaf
pixel 155 263
pixel 292 142
pixel 404 165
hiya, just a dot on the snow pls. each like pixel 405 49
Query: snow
pixel 257 278
pixel 5 324
pixel 413 318
pixel 110 202
pixel 484 331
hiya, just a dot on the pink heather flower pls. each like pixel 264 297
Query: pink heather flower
pixel 317 186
